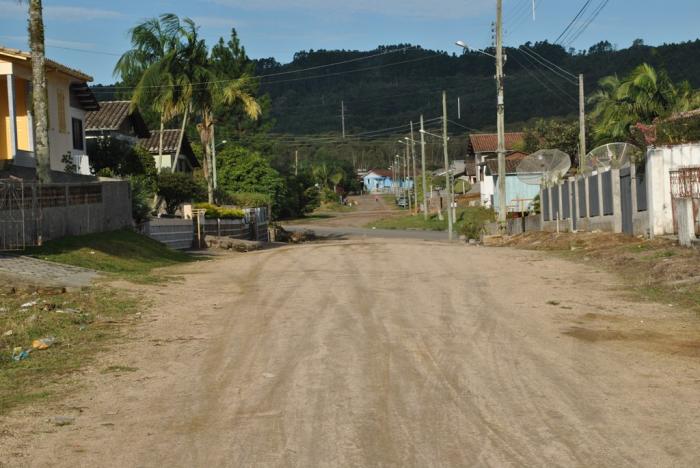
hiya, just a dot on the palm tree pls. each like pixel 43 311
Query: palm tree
pixel 210 94
pixel 642 97
pixel 153 63
pixel 40 95
pixel 336 179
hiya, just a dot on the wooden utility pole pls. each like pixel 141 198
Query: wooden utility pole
pixel 582 122
pixel 342 115
pixel 502 202
pixel 447 164
pixel 415 182
pixel 422 166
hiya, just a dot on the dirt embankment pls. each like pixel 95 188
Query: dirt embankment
pixel 658 269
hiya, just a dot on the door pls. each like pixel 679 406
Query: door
pixel 626 201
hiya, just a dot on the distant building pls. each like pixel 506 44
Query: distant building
pixel 483 147
pixel 378 180
pixel 116 119
pixel 186 161
pixel 520 196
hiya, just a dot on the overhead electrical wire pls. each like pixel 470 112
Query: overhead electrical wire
pixel 588 22
pixel 559 93
pixel 573 21
pixel 532 51
pixel 568 76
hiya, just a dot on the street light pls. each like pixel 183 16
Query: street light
pixel 464 46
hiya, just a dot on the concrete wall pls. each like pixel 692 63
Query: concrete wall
pixel 660 163
pixel 70 216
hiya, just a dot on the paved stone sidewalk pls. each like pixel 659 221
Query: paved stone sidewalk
pixel 35 272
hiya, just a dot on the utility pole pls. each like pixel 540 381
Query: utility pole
pixel 582 122
pixel 447 162
pixel 407 173
pixel 501 121
pixel 415 182
pixel 459 108
pixel 213 158
pixel 342 115
pixel 296 162
pixel 422 166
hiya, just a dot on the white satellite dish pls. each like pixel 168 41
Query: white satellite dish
pixel 612 155
pixel 543 167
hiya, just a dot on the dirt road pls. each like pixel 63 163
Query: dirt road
pixel 384 353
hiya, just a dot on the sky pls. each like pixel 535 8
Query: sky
pixel 279 28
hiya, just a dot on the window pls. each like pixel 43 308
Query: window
pixel 78 142
pixel 61 108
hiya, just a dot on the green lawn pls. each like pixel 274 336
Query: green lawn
pixel 122 253
pixel 474 215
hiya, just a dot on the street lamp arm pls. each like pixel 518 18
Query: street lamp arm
pixel 464 46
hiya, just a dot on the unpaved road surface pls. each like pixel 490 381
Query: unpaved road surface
pixel 384 353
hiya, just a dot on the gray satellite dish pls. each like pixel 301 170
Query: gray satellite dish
pixel 543 167
pixel 612 155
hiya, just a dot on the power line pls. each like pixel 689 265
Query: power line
pixel 570 25
pixel 560 94
pixel 107 89
pixel 553 70
pixel 590 20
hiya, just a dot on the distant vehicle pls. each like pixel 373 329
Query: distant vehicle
pixel 402 202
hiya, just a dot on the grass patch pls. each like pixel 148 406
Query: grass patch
pixel 123 253
pixel 82 323
pixel 335 207
pixel 470 215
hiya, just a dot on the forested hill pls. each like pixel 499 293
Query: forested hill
pixel 394 84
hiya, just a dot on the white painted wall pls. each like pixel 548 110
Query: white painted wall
pixel 660 162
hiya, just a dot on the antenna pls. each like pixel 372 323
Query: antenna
pixel 543 167
pixel 612 155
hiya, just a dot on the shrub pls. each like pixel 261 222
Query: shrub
pixel 250 199
pixel 177 188
pixel 472 221
pixel 141 198
pixel 219 212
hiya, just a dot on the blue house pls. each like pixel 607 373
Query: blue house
pixel 378 180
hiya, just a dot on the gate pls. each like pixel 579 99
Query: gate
pixel 16 214
pixel 626 201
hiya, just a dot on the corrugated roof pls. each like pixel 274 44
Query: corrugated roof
pixel 488 142
pixel 26 56
pixel 111 116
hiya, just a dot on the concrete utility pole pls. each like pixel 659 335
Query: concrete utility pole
pixel 459 108
pixel 422 166
pixel 415 182
pixel 296 162
pixel 407 172
pixel 501 121
pixel 447 163
pixel 342 115
pixel 582 122
pixel 213 158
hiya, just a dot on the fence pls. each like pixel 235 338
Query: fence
pixel 181 234
pixel 31 213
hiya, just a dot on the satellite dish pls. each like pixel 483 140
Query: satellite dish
pixel 616 155
pixel 543 167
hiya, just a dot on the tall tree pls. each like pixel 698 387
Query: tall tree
pixel 226 82
pixel 40 95
pixel 153 64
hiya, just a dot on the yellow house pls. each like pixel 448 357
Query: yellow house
pixel 69 99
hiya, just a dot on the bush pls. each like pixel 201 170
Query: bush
pixel 472 221
pixel 141 198
pixel 250 199
pixel 219 212
pixel 177 188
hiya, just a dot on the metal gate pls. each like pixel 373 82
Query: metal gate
pixel 15 207
pixel 626 201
